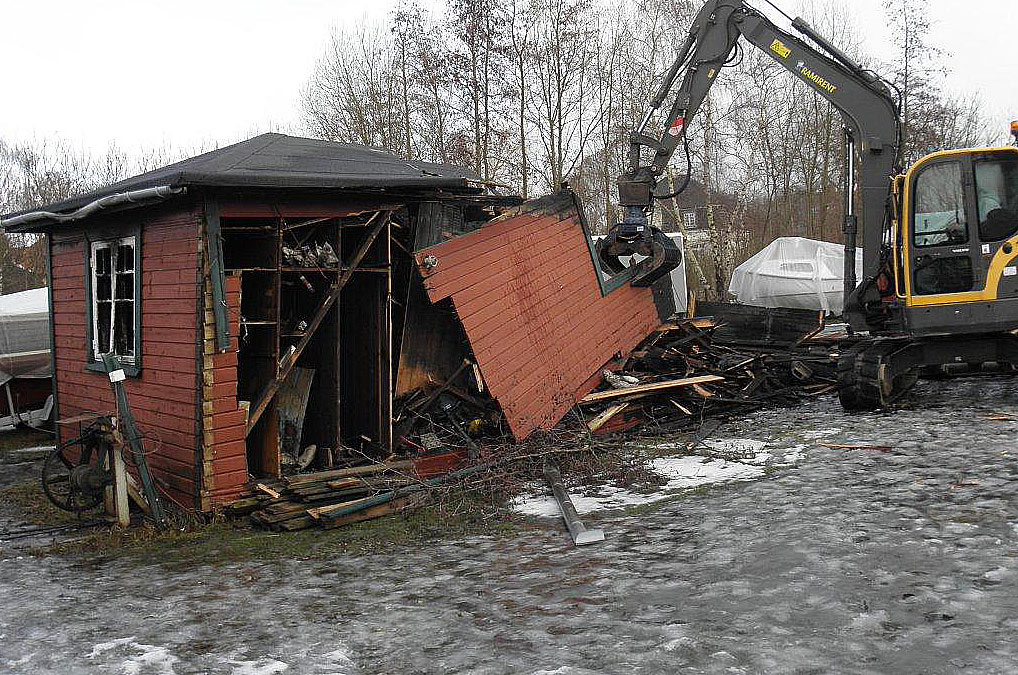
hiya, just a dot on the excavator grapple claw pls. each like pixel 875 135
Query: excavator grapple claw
pixel 651 251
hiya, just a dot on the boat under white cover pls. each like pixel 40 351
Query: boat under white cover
pixel 794 272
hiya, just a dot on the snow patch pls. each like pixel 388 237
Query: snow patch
pixel 339 657
pixel 682 473
pixel 870 621
pixel 998 574
pixel 151 659
pixel 736 445
pixel 103 647
pixel 264 666
pixel 794 454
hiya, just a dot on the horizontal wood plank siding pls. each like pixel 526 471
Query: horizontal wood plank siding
pixel 224 422
pixel 163 396
pixel 526 291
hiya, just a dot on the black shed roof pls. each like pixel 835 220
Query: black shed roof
pixel 280 161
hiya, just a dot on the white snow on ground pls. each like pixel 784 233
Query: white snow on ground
pixel 794 453
pixel 151 659
pixel 340 659
pixel 259 667
pixel 682 473
pixel 104 647
pixel 736 445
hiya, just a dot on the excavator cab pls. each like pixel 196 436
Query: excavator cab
pixel 954 234
pixel 958 242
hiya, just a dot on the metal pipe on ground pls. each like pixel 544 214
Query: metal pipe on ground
pixel 579 532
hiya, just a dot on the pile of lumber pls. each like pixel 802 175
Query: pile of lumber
pixel 299 501
pixel 681 374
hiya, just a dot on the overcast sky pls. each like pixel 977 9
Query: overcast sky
pixel 145 74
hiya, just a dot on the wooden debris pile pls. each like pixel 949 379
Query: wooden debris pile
pixel 299 501
pixel 728 364
pixel 681 374
pixel 449 418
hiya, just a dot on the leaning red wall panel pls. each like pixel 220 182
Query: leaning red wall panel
pixel 163 395
pixel 526 291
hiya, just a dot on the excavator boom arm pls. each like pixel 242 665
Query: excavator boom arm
pixel 869 111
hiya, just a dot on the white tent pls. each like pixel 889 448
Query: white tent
pixel 794 272
pixel 24 335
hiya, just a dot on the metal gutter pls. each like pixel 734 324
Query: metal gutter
pixel 146 195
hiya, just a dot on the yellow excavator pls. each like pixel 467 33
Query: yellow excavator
pixel 939 282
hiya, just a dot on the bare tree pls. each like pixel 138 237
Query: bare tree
pixel 352 95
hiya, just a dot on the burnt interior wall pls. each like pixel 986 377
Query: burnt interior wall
pixel 381 339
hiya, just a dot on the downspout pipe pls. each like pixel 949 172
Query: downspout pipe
pixel 151 194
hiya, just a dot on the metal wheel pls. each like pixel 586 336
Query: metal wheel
pixel 74 475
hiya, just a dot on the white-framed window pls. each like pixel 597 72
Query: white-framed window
pixel 113 277
pixel 689 219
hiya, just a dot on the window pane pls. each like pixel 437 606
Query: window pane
pixel 102 327
pixel 940 206
pixel 102 260
pixel 125 286
pixel 123 329
pixel 944 275
pixel 996 192
pixel 125 257
pixel 102 287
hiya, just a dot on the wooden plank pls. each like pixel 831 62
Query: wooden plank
pixel 370 513
pixel 648 388
pixel 292 401
pixel 267 490
pixel 706 393
pixel 365 470
pixel 599 421
pixel 214 249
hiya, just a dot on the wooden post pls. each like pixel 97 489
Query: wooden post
pixel 122 509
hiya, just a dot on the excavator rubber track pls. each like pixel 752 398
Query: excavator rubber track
pixel 869 377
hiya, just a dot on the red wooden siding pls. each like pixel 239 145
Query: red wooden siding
pixel 223 421
pixel 163 396
pixel 525 289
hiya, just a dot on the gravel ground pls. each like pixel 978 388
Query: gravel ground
pixel 847 561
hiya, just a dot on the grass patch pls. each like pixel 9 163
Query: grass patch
pixel 30 504
pixel 190 541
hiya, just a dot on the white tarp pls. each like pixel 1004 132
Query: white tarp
pixel 794 272
pixel 24 335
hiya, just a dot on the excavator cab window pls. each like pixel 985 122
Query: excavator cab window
pixel 940 207
pixel 997 199
pixel 940 231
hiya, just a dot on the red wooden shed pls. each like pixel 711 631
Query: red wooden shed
pixel 264 298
